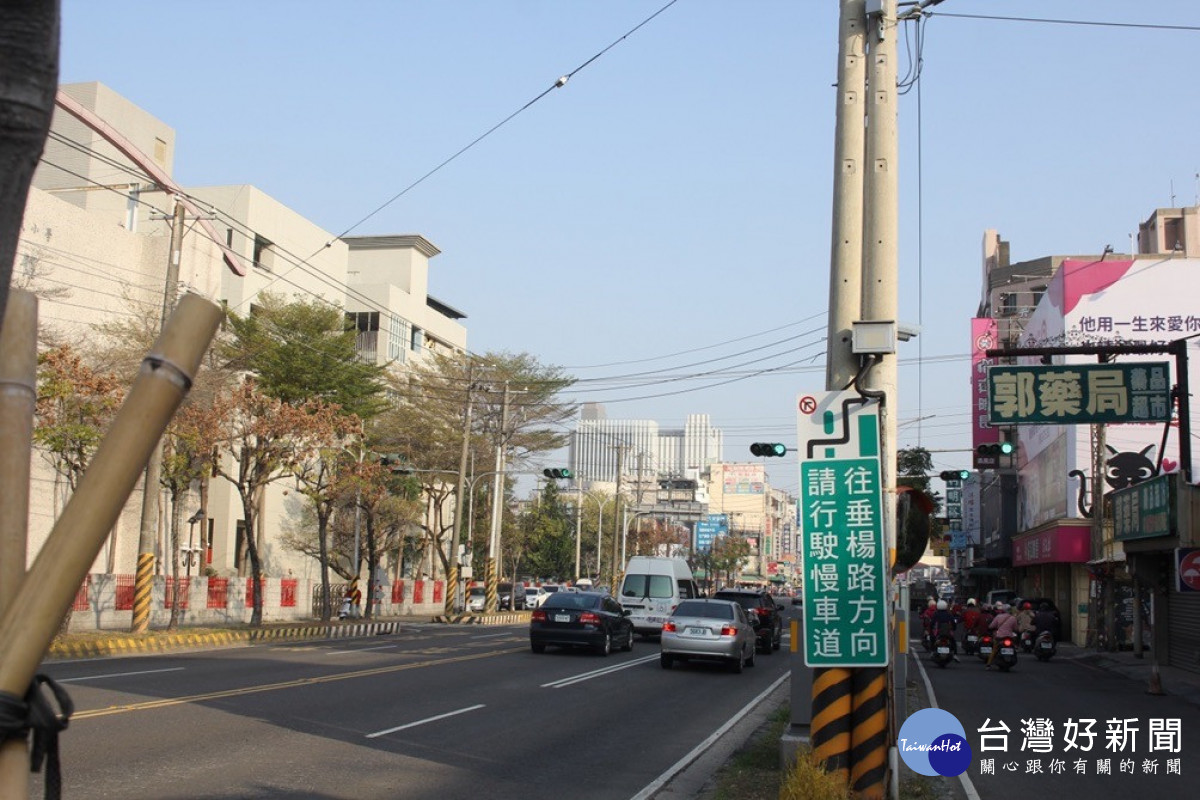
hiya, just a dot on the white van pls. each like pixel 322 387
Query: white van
pixel 651 589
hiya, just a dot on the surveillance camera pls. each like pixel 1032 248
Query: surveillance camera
pixel 904 331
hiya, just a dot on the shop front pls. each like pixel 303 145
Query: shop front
pixel 1051 562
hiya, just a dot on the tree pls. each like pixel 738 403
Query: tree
pixel 302 350
pixel 262 440
pixel 728 555
pixel 389 504
pixel 915 506
pixel 28 83
pixel 545 536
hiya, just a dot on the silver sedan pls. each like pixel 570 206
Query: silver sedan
pixel 708 629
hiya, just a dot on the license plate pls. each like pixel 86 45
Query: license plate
pixel 696 631
pixel 944 650
pixel 972 639
pixel 656 619
pixel 987 651
pixel 562 617
pixel 1045 645
pixel 1006 651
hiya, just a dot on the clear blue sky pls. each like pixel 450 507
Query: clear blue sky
pixel 676 193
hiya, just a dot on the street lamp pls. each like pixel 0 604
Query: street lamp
pixel 192 520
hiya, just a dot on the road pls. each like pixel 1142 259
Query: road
pixel 1038 760
pixel 432 712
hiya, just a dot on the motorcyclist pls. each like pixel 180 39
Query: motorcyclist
pixel 970 616
pixel 1044 620
pixel 1025 617
pixel 927 619
pixel 943 623
pixel 1005 624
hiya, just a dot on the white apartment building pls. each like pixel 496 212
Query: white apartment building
pixel 643 447
pixel 94 246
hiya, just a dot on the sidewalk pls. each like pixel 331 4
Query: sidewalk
pixel 1181 683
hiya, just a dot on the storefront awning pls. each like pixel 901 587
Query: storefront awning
pixel 1061 543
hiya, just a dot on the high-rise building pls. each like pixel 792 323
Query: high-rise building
pixel 647 449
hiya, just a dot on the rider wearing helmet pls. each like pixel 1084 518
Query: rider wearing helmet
pixel 1044 620
pixel 970 616
pixel 943 625
pixel 1005 624
pixel 1025 617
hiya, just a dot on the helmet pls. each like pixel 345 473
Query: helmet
pixel 932 602
pixel 941 606
pixel 971 602
pixel 1027 605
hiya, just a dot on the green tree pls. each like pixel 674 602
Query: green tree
pixel 914 510
pixel 302 350
pixel 545 534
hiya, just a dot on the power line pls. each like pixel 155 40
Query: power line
pixel 1081 22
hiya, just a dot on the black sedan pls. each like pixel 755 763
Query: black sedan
pixel 580 619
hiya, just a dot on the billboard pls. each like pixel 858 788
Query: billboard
pixel 744 478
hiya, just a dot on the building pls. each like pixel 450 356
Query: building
pixel 94 244
pixel 643 449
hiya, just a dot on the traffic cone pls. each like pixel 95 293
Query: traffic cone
pixel 1155 686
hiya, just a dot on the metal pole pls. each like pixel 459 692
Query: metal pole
pixel 456 535
pixel 497 508
pixel 578 523
pixel 18 398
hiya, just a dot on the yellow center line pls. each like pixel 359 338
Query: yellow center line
pixel 271 687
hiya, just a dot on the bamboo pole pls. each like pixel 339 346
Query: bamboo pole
pixel 18 395
pixel 30 622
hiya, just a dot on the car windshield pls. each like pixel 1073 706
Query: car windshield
pixel 477 591
pixel 654 586
pixel 571 600
pixel 703 608
pixel 744 600
pixel 550 588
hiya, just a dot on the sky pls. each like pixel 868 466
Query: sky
pixel 660 225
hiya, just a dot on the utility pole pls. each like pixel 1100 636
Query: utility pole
pixel 497 509
pixel 452 604
pixel 143 580
pixel 616 567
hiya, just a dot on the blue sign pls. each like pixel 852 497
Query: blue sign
pixel 710 528
pixel 958 540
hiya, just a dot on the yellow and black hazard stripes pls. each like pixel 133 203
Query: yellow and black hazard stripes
pixel 869 733
pixel 832 693
pixel 143 584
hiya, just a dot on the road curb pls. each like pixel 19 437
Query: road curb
pixel 507 618
pixel 132 644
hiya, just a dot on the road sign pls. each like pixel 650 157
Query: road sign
pixel 1073 394
pixel 1144 510
pixel 1187 569
pixel 844 554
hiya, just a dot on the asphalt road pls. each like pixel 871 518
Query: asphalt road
pixel 1038 760
pixel 432 712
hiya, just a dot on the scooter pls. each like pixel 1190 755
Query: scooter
pixel 942 650
pixel 971 643
pixel 986 642
pixel 1027 641
pixel 1006 659
pixel 1045 647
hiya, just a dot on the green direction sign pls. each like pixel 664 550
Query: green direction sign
pixel 1145 509
pixel 1073 394
pixel 841 519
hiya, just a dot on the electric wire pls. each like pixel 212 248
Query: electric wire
pixel 1080 22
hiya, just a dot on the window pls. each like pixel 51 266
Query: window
pixel 653 586
pixel 264 256
pixel 397 336
pixel 418 339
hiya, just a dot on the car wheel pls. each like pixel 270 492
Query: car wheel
pixel 750 660
pixel 629 642
pixel 537 647
pixel 739 663
pixel 665 660
pixel 764 646
pixel 605 647
pixel 778 638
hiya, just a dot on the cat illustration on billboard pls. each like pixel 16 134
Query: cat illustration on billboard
pixel 1122 470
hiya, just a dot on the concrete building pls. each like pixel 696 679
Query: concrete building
pixel 647 449
pixel 94 245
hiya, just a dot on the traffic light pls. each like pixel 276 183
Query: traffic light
pixel 955 474
pixel 557 474
pixel 768 449
pixel 996 449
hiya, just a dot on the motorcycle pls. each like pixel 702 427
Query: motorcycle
pixel 927 640
pixel 942 650
pixel 1027 641
pixel 1045 647
pixel 970 643
pixel 1006 659
pixel 986 642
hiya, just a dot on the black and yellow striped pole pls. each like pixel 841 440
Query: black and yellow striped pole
pixel 869 733
pixel 832 693
pixel 492 590
pixel 451 588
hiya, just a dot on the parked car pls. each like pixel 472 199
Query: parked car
pixel 476 598
pixel 580 619
pixel 763 612
pixel 512 598
pixel 708 630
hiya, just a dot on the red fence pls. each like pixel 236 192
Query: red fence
pixel 218 592
pixel 81 597
pixel 439 592
pixel 398 592
pixel 185 585
pixel 418 592
pixel 124 592
pixel 287 593
pixel 250 592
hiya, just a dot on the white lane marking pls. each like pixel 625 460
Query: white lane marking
pixel 679 765
pixel 491 635
pixel 423 721
pixel 360 650
pixel 968 787
pixel 596 673
pixel 120 674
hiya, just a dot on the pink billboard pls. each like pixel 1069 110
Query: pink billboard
pixel 984 337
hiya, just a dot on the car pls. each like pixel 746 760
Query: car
pixel 532 593
pixel 706 629
pixel 476 598
pixel 652 587
pixel 580 619
pixel 763 612
pixel 1000 596
pixel 510 599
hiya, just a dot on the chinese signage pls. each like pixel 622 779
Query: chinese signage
pixel 984 337
pixel 1079 393
pixel 744 479
pixel 1082 746
pixel 842 536
pixel 1145 509
pixel 710 528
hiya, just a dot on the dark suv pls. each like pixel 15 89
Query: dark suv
pixel 763 613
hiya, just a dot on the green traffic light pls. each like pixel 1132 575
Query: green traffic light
pixel 768 449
